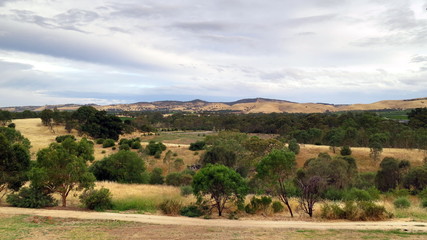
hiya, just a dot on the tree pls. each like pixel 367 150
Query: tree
pixel 277 167
pixel 62 167
pixel 345 151
pixel 14 162
pixel 123 167
pixel 294 146
pixel 219 155
pixel 388 177
pixel 221 184
pixel 155 147
pixel 376 143
pixel 311 191
pixel 47 117
pixel 416 178
pixel 5 117
pixel 156 176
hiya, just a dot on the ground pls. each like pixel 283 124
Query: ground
pixel 19 223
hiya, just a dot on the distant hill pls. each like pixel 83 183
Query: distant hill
pixel 252 105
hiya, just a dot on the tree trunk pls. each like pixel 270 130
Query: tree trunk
pixel 289 208
pixel 64 200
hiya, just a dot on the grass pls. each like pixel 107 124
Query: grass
pixel 141 205
pixel 184 138
pixel 395 115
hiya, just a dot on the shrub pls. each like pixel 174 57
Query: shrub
pixel 124 147
pixel 136 145
pixel 170 206
pixel 333 194
pixel 355 194
pixel 402 202
pixel 258 204
pixel 401 192
pixel 294 146
pixel 158 154
pixel 154 148
pixel 199 145
pixel 423 194
pixel 156 176
pixel 100 141
pixel 191 211
pixel 178 179
pixel 108 143
pixel 97 199
pixel 178 164
pixel 277 207
pixel 11 125
pixel 424 203
pixel 31 197
pixel 360 211
pixel 372 211
pixel 365 180
pixel 345 151
pixel 60 139
pixel 186 190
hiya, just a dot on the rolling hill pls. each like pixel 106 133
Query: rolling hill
pixel 253 105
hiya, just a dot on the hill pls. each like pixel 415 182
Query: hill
pixel 253 105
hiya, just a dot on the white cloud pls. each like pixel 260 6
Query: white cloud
pixel 128 51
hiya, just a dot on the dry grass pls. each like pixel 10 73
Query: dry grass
pixel 364 162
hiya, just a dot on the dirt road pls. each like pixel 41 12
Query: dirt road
pixel 185 221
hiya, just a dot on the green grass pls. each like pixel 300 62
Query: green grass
pixel 177 137
pixel 394 232
pixel 396 115
pixel 135 203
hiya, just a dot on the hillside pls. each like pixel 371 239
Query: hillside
pixel 254 105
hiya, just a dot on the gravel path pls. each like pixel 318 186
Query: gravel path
pixel 167 220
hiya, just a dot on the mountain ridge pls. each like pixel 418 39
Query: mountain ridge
pixel 247 105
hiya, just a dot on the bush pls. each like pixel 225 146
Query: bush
pixel 277 207
pixel 258 204
pixel 108 143
pixel 345 151
pixel 423 194
pixel 154 149
pixel 124 147
pixel 424 203
pixel 178 164
pixel 11 125
pixel 402 202
pixel 186 190
pixel 136 145
pixel 170 206
pixel 100 141
pixel 199 145
pixel 333 194
pixel 294 146
pixel 365 180
pixel 401 192
pixel 156 176
pixel 178 179
pixel 97 199
pixel 60 139
pixel 191 211
pixel 31 197
pixel 355 194
pixel 359 211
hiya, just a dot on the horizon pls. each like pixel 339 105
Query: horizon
pixel 120 52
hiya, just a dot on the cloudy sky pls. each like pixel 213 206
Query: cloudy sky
pixel 124 51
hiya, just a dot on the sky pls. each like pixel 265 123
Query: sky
pixel 126 51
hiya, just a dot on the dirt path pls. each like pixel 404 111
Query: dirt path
pixel 185 221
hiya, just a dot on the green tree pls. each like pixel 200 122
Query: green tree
pixel 274 169
pixel 294 146
pixel 5 117
pixel 221 184
pixel 14 162
pixel 47 118
pixel 156 176
pixel 416 178
pixel 123 167
pixel 62 167
pixel 388 177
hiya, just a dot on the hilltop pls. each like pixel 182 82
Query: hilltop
pixel 252 105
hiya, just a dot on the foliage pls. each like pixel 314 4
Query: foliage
pixel 258 204
pixel 418 118
pixel 97 199
pixel 124 147
pixel 354 211
pixel 191 211
pixel 108 143
pixel 416 178
pixel 60 139
pixel 355 194
pixel 388 177
pixel 402 202
pixel 179 179
pixel 31 197
pixel 345 151
pixel 219 155
pixel 156 176
pixel 123 167
pixel 62 167
pixel 5 117
pixel 14 160
pixel 294 146
pixel 170 206
pixel 277 167
pixel 154 148
pixel 424 203
pixel 178 164
pixel 365 180
pixel 221 184
pixel 312 188
pixel 186 190
pixel 196 146
pixel 277 207
pixel 100 141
